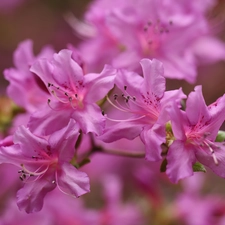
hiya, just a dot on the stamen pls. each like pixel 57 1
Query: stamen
pixel 71 102
pixel 128 120
pixel 49 101
pixel 60 100
pixel 213 153
pixel 35 173
pixel 121 109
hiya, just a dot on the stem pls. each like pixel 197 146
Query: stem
pixel 123 153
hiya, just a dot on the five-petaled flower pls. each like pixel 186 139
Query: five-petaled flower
pixel 45 164
pixel 195 131
pixel 73 95
pixel 145 101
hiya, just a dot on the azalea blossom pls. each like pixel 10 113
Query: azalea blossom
pixel 45 164
pixel 145 101
pixel 175 32
pixel 195 131
pixel 73 94
pixel 25 88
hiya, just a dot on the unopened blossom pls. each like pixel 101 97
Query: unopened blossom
pixel 73 94
pixel 175 32
pixel 145 101
pixel 25 88
pixel 195 131
pixel 44 165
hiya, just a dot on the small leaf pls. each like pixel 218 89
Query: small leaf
pixel 198 167
pixel 84 162
pixel 163 166
pixel 220 136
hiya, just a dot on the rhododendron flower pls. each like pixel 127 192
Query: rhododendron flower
pixel 146 101
pixel 45 164
pixel 25 88
pixel 73 94
pixel 195 132
pixel 175 32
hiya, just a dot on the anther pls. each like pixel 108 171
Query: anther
pixel 125 87
pixel 103 113
pixel 115 96
pixel 49 84
pixel 53 182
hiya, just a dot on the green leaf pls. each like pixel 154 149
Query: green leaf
pixel 163 166
pixel 198 167
pixel 220 136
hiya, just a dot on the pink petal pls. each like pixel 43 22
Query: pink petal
pixel 31 197
pixel 153 139
pixel 72 181
pixel 196 108
pixel 63 141
pixel 180 160
pixel 90 119
pixel 128 130
pixel 131 80
pixel 46 120
pixel 205 157
pixel 29 143
pixel 154 81
pixel 98 85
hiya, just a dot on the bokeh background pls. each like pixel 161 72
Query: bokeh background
pixel 43 21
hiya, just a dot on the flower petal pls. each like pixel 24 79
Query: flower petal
pixel 153 139
pixel 98 85
pixel 72 181
pixel 196 109
pixel 63 141
pixel 154 81
pixel 180 160
pixel 31 197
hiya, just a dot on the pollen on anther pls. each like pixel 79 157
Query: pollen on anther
pixel 115 96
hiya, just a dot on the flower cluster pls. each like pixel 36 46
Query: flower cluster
pixel 113 87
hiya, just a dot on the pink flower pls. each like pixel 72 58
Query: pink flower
pixel 195 132
pixel 25 88
pixel 145 101
pixel 175 32
pixel 45 164
pixel 73 94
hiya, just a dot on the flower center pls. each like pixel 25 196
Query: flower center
pixel 68 97
pixel 153 35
